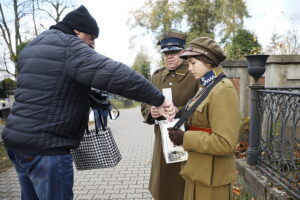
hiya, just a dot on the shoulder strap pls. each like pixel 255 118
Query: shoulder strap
pixel 204 93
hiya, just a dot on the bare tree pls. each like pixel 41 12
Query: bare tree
pixel 291 44
pixel 14 17
pixel 274 46
pixel 12 43
pixel 4 63
pixel 57 7
pixel 287 43
pixel 34 17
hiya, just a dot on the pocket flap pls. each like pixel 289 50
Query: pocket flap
pixel 201 106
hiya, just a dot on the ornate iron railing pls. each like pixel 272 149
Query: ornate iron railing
pixel 279 144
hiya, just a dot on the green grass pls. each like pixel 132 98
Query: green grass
pixel 120 104
pixel 135 104
pixel 117 103
pixel 5 163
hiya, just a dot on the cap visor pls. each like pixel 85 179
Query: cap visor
pixel 189 54
pixel 171 48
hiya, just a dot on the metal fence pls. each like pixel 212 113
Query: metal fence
pixel 278 150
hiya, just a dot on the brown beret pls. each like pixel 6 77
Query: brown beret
pixel 207 47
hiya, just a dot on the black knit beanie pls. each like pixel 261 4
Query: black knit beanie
pixel 81 20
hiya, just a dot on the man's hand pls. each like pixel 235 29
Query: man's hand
pixel 154 112
pixel 167 109
pixel 172 110
pixel 176 136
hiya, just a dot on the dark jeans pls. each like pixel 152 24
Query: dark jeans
pixel 44 177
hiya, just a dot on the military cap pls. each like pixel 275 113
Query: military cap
pixel 172 41
pixel 204 46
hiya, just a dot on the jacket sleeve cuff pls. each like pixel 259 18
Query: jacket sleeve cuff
pixel 185 143
pixel 160 101
pixel 149 119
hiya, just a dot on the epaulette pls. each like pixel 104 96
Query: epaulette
pixel 181 74
pixel 158 70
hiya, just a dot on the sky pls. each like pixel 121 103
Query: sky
pixel 267 16
pixel 114 36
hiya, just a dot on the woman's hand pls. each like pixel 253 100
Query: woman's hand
pixel 176 136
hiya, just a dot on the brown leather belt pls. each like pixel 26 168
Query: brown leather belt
pixel 197 128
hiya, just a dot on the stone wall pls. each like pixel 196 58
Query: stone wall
pixel 281 71
pixel 237 70
pixel 258 184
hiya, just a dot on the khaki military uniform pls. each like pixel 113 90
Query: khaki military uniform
pixel 210 167
pixel 165 181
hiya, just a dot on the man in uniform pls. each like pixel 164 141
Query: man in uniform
pixel 165 181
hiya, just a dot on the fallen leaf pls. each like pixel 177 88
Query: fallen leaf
pixel 236 190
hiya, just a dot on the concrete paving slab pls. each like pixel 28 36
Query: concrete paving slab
pixel 128 180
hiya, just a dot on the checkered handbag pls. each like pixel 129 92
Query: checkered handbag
pixel 97 149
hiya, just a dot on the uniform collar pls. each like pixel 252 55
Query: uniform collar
pixel 210 76
pixel 164 74
pixel 180 72
pixel 218 70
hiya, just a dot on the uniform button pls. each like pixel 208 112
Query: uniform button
pixel 170 83
pixel 173 75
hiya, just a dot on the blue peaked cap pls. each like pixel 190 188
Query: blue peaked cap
pixel 172 44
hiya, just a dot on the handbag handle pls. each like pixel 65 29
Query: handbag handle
pixel 87 131
pixel 118 112
pixel 203 94
pixel 101 121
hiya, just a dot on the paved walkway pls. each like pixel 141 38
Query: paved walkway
pixel 128 180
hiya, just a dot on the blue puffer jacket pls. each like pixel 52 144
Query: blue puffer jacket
pixel 51 106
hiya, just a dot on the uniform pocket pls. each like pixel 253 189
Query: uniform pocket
pixel 201 106
pixel 198 168
pixel 200 115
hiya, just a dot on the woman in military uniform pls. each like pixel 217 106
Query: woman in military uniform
pixel 165 181
pixel 213 127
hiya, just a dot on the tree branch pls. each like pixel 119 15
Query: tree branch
pixel 5 31
pixel 33 18
pixel 48 13
pixel 6 66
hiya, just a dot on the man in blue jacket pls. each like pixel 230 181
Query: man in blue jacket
pixel 56 72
